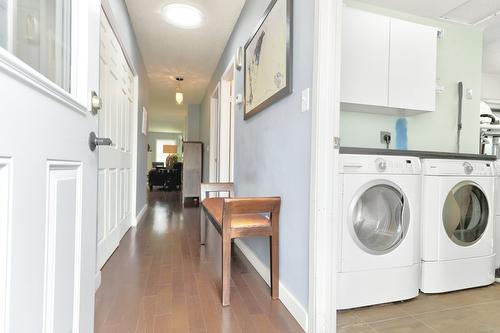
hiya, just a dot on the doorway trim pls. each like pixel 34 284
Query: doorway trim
pixel 214 134
pixel 230 71
pixel 324 195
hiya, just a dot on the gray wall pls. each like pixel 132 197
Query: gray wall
pixel 193 122
pixel 272 149
pixel 120 21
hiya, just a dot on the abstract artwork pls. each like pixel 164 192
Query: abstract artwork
pixel 268 59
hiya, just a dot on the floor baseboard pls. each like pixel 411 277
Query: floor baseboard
pixel 97 280
pixel 141 215
pixel 286 297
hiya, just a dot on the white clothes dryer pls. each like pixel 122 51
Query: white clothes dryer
pixel 457 225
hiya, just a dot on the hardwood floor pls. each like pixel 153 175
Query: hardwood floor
pixel 161 280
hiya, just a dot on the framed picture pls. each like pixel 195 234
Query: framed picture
pixel 268 59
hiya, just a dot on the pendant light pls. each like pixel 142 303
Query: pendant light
pixel 179 95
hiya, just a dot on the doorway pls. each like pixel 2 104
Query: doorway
pixel 214 135
pixel 222 128
pixel 117 121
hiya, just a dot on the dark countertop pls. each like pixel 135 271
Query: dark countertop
pixel 416 153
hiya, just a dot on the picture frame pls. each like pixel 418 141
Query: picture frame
pixel 268 59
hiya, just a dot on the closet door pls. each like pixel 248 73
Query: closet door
pixel 365 58
pixel 413 62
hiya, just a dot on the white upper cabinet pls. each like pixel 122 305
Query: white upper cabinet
pixel 365 58
pixel 388 65
pixel 412 66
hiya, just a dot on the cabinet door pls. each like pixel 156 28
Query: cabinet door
pixel 412 75
pixel 365 58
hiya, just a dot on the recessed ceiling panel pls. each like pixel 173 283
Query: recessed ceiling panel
pixel 473 12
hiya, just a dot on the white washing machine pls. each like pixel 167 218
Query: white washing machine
pixel 379 231
pixel 457 225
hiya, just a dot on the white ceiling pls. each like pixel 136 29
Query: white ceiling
pixel 473 8
pixel 169 51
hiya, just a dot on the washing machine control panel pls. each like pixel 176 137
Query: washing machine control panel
pixel 372 164
pixel 380 164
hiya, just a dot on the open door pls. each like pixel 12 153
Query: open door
pixel 117 86
pixel 48 173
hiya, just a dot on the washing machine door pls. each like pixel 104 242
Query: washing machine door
pixel 465 214
pixel 380 219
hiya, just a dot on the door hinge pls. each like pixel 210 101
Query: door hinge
pixel 336 142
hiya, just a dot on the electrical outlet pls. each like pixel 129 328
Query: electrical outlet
pixel 383 136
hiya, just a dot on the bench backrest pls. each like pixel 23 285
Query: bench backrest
pixel 207 188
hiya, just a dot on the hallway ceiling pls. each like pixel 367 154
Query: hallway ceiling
pixel 458 9
pixel 169 51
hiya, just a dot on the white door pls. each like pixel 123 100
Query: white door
pixel 365 58
pixel 115 162
pixel 48 174
pixel 413 54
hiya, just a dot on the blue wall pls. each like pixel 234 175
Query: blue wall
pixel 272 149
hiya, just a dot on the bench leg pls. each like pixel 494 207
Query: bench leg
pixel 203 224
pixel 275 266
pixel 226 269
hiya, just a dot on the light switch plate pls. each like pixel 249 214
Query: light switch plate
pixel 306 100
pixel 469 94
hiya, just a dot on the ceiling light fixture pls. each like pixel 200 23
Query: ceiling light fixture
pixel 182 16
pixel 179 95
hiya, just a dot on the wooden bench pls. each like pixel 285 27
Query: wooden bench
pixel 241 217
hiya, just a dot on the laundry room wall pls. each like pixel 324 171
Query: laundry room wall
pixel 459 59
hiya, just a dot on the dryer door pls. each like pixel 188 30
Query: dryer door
pixel 380 219
pixel 465 214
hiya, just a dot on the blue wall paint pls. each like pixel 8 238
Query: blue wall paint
pixel 121 22
pixel 272 149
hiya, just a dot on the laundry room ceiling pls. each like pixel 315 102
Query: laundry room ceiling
pixel 483 14
pixel 169 51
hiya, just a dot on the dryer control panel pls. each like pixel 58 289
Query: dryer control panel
pixel 372 164
pixel 433 167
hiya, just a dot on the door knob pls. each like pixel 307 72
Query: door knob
pixel 94 141
pixel 96 103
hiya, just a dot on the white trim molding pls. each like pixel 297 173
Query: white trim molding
pixel 97 280
pixel 140 216
pixel 11 65
pixel 286 297
pixel 324 171
pixel 5 239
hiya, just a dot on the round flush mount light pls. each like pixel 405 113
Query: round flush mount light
pixel 182 15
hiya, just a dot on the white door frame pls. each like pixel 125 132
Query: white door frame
pixel 227 87
pixel 324 196
pixel 134 128
pixel 214 134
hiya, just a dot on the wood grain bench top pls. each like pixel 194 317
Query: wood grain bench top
pixel 215 208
